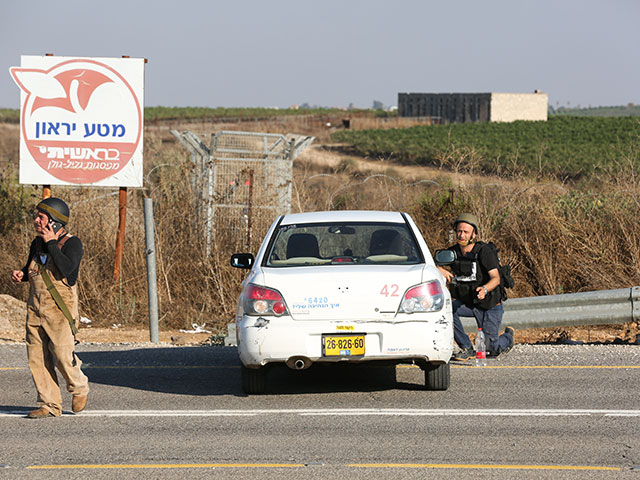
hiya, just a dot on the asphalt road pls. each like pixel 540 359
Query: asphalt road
pixel 177 412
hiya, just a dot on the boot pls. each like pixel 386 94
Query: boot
pixel 41 413
pixel 79 402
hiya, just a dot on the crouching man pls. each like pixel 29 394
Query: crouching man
pixel 475 288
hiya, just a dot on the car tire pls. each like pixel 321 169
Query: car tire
pixel 437 377
pixel 254 380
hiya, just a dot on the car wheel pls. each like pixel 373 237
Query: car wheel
pixel 437 377
pixel 254 380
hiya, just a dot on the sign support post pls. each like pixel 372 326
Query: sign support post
pixel 122 221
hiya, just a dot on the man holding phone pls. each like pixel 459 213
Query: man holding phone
pixel 52 309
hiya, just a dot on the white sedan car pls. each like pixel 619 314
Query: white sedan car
pixel 354 286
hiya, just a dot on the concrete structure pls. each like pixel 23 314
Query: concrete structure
pixel 474 107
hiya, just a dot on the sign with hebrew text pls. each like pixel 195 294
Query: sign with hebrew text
pixel 81 120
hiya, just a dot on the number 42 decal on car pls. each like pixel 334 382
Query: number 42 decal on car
pixel 390 290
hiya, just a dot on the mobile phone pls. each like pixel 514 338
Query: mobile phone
pixel 55 226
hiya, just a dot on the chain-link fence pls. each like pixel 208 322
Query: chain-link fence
pixel 243 181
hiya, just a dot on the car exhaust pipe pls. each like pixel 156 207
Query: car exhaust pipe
pixel 298 363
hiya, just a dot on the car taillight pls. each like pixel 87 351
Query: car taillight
pixel 426 297
pixel 263 301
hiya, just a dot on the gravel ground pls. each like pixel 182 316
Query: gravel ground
pixel 605 355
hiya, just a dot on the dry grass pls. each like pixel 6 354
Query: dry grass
pixel 559 239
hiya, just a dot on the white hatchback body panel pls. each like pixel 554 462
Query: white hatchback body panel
pixel 353 293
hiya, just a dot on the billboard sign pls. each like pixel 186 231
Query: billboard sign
pixel 81 120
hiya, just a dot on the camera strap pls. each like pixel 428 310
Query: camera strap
pixel 58 299
pixel 55 294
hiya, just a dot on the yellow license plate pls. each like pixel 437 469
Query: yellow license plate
pixel 342 345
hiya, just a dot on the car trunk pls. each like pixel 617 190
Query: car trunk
pixel 344 292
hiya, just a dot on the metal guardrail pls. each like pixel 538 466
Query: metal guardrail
pixel 603 307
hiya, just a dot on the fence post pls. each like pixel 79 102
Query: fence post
pixel 150 253
pixel 212 185
pixel 249 210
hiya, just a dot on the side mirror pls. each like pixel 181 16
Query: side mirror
pixel 242 260
pixel 444 257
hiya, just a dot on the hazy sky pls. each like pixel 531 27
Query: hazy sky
pixel 332 53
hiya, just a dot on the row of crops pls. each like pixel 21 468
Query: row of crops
pixel 153 114
pixel 186 114
pixel 563 147
pixel 612 111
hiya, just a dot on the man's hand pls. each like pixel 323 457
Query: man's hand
pixel 17 276
pixel 481 292
pixel 494 282
pixel 446 273
pixel 48 234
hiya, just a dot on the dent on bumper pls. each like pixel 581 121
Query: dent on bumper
pixel 273 342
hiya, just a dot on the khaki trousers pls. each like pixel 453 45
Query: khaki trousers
pixel 50 342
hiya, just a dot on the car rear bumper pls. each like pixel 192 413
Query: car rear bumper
pixel 423 339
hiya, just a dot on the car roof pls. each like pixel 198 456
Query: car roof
pixel 343 216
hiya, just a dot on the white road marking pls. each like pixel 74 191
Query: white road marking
pixel 313 464
pixel 345 412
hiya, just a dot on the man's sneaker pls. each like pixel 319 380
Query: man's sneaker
pixel 464 354
pixel 512 333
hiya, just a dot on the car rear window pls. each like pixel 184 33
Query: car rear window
pixel 342 244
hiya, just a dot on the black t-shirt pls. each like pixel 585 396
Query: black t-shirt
pixel 488 260
pixel 67 259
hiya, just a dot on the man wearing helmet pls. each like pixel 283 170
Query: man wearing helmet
pixel 474 285
pixel 52 271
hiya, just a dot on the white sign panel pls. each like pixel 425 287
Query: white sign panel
pixel 81 120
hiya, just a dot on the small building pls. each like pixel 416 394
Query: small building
pixel 474 107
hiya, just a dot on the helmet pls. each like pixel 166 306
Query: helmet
pixel 469 218
pixel 54 208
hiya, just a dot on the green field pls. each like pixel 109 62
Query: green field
pixel 9 115
pixel 562 147
pixel 613 111
pixel 152 114
pixel 156 114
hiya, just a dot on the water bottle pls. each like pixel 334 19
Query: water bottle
pixel 481 349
